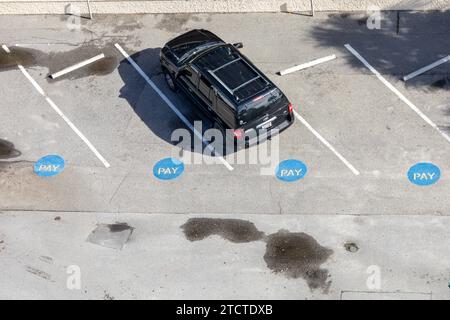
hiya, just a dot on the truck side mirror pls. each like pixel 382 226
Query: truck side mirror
pixel 238 45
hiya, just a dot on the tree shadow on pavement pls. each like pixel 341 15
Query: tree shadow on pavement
pixel 406 42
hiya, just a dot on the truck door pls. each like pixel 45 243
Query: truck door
pixel 225 110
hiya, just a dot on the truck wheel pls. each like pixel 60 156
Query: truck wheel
pixel 170 81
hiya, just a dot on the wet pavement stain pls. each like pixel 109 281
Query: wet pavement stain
pixel 57 60
pixel 23 56
pixel 234 230
pixel 103 67
pixel 7 150
pixel 296 255
pixel 119 227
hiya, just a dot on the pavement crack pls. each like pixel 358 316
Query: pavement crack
pixel 118 187
pixel 280 208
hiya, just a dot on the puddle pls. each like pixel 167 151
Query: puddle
pixel 234 230
pixel 103 66
pixel 298 255
pixel 58 60
pixel 22 56
pixel 61 60
pixel 7 150
pixel 113 236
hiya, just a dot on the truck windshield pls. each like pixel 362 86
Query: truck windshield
pixel 197 48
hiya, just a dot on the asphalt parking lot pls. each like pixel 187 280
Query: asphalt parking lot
pixel 357 134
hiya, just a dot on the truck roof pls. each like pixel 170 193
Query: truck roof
pixel 233 72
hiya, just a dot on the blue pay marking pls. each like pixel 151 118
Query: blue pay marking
pixel 48 166
pixel 168 169
pixel 424 174
pixel 291 170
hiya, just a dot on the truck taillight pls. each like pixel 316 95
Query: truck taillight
pixel 290 108
pixel 238 133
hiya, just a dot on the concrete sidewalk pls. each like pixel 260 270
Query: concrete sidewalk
pixel 225 257
pixel 211 6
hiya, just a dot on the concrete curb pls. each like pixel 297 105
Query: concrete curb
pixel 218 6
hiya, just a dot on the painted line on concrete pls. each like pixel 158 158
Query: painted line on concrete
pixel 426 68
pixel 61 114
pixel 76 66
pixel 307 65
pixel 34 83
pixel 6 48
pixel 398 93
pixel 326 143
pixel 170 104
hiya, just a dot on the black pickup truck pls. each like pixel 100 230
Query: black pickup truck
pixel 221 81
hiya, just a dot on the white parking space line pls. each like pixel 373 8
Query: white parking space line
pixel 6 49
pixel 60 113
pixel 426 68
pixel 326 143
pixel 307 65
pixel 76 66
pixel 398 93
pixel 34 83
pixel 171 105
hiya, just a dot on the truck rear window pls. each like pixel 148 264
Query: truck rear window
pixel 262 104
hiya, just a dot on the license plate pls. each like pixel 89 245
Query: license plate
pixel 266 125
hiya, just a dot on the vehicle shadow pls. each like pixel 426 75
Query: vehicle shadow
pixel 154 112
